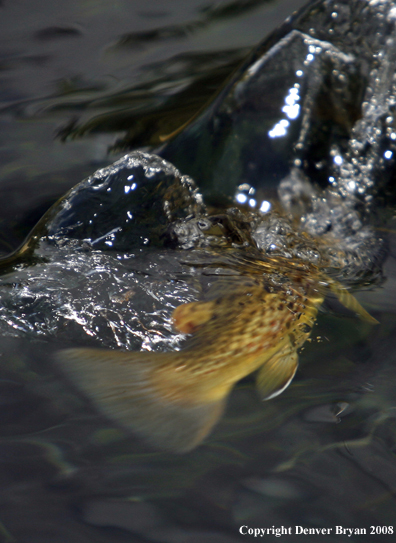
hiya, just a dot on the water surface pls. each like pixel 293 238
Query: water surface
pixel 320 455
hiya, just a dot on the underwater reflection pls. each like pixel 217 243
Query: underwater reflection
pixel 188 286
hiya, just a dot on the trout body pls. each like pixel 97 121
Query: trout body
pixel 246 323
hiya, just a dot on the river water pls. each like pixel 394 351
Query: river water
pixel 81 82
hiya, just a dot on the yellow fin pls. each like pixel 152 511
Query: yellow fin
pixel 121 385
pixel 188 317
pixel 276 374
pixel 350 302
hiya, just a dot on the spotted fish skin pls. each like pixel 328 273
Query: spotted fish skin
pixel 257 312
pixel 249 322
pixel 237 333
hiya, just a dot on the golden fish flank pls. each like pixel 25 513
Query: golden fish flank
pixel 174 399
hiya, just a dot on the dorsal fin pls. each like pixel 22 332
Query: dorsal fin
pixel 349 301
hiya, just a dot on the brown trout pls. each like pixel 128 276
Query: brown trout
pixel 256 320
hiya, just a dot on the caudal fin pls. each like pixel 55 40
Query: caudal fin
pixel 122 386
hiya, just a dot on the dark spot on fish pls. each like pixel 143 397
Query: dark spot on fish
pixel 189 327
pixel 280 307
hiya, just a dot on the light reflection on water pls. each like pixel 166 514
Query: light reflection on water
pixel 69 475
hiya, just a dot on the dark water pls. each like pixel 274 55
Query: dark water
pixel 319 456
pixel 85 68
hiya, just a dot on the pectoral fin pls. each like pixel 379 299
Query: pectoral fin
pixel 122 386
pixel 188 317
pixel 276 374
pixel 350 302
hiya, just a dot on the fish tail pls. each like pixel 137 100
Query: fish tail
pixel 126 387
